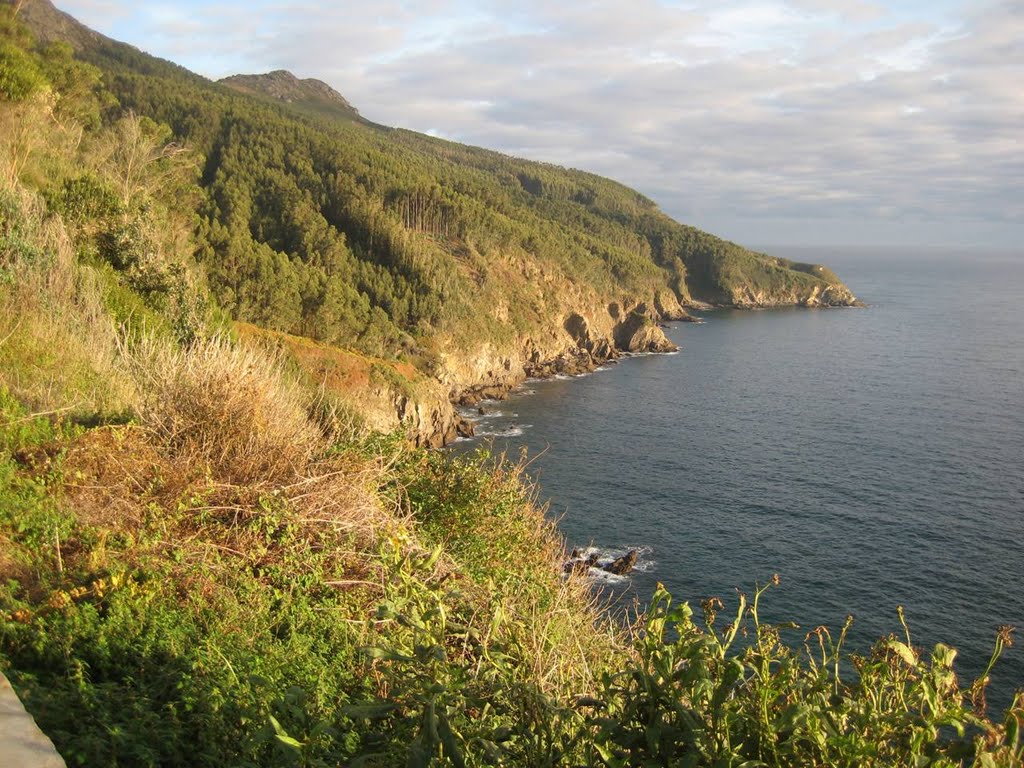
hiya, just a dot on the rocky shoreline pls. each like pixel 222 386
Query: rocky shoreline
pixel 586 338
pixel 639 331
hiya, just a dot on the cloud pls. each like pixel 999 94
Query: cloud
pixel 737 111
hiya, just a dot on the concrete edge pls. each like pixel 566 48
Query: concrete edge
pixel 22 744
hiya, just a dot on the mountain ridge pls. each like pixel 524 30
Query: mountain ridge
pixel 282 85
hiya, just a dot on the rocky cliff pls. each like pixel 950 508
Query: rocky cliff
pixel 577 341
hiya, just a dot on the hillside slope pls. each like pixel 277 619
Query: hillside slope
pixel 477 268
pixel 284 86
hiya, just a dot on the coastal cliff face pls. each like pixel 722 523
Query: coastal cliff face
pixel 747 297
pixel 574 342
pixel 756 280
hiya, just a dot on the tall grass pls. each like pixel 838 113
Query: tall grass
pixel 227 407
pixel 58 343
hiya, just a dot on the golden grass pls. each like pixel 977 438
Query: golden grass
pixel 227 407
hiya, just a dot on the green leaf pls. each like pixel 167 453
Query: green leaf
pixel 288 740
pixel 448 742
pixel 1012 726
pixel 369 709
pixel 905 652
pixel 434 556
pixel 282 735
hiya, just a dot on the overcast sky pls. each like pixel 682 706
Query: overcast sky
pixel 765 121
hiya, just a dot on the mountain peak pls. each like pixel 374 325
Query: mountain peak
pixel 50 24
pixel 282 85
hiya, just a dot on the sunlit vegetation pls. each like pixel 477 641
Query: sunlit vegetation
pixel 202 562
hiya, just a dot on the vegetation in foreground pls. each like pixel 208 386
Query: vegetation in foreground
pixel 168 599
pixel 202 563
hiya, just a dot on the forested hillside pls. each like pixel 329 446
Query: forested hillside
pixel 210 553
pixel 316 223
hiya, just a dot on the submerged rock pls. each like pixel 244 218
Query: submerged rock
pixel 620 566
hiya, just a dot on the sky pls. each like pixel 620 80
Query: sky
pixel 803 122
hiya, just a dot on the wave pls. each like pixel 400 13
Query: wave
pixel 474 415
pixel 494 415
pixel 515 430
pixel 596 574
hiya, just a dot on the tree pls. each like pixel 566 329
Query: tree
pixel 138 157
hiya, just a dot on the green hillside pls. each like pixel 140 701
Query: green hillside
pixel 317 223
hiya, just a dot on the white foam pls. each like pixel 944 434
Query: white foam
pixel 475 416
pixel 597 574
pixel 516 430
pixel 494 415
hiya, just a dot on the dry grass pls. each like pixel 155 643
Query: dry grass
pixel 58 345
pixel 560 623
pixel 567 637
pixel 226 407
pixel 124 480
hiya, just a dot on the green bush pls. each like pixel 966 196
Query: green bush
pixel 20 75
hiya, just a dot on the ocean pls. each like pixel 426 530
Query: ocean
pixel 871 457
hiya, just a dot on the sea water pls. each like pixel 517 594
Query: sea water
pixel 871 457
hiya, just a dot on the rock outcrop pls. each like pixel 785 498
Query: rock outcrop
pixel 282 85
pixel 620 566
pixel 582 562
pixel 639 332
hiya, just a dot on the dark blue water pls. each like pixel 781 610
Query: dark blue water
pixel 871 457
